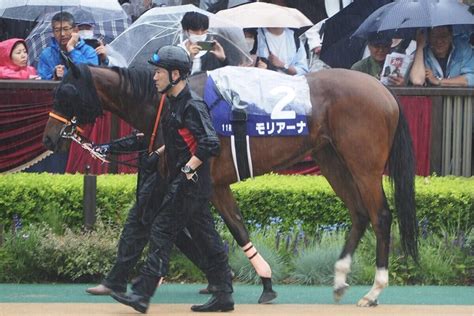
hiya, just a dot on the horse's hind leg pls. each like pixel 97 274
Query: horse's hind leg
pixel 381 220
pixel 225 203
pixel 365 199
pixel 343 184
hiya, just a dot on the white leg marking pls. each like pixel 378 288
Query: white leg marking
pixel 380 282
pixel 259 264
pixel 342 268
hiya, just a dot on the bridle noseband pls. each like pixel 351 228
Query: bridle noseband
pixel 71 130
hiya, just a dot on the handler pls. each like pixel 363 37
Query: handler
pixel 190 141
pixel 135 234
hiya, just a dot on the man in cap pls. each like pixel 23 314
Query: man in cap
pixel 379 46
pixel 189 142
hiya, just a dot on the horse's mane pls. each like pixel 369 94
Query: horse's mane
pixel 137 85
pixel 76 95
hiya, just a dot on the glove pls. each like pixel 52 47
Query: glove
pixel 149 162
pixel 101 149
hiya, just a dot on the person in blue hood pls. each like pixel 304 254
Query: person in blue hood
pixel 66 44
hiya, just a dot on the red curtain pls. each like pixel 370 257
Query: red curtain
pixel 98 133
pixel 23 116
pixel 417 110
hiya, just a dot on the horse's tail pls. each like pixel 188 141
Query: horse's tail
pixel 401 167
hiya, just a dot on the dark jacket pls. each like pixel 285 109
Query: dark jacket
pixel 188 131
pixel 149 179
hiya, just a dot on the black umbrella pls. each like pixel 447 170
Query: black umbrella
pixel 338 49
pixel 410 14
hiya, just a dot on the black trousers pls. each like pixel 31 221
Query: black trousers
pixel 185 213
pixel 136 234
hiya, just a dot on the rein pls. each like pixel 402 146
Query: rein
pixel 74 135
pixel 75 130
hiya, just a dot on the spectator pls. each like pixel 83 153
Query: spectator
pixel 86 32
pixel 65 44
pixel 250 41
pixel 195 26
pixel 443 61
pixel 379 47
pixel 314 37
pixel 14 60
pixel 278 49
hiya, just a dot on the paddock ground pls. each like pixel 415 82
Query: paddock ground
pixel 176 299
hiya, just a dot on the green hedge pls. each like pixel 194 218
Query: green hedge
pixel 286 201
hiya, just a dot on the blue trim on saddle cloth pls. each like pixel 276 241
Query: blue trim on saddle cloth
pixel 259 123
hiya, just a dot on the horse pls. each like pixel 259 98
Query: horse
pixel 357 132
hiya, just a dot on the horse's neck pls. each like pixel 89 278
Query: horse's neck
pixel 114 100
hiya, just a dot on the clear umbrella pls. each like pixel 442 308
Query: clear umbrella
pixel 162 26
pixel 35 10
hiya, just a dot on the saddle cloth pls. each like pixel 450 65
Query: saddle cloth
pixel 274 104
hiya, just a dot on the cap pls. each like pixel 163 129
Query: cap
pixel 379 39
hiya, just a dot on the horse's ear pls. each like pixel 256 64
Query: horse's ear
pixel 70 64
pixel 75 71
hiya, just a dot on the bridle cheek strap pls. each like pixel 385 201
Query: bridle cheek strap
pixel 157 122
pixel 66 121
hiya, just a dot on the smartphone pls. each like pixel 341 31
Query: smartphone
pixel 206 45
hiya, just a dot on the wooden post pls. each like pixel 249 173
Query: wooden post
pixel 89 199
pixel 2 238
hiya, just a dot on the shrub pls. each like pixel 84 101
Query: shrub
pixel 315 264
pixel 270 200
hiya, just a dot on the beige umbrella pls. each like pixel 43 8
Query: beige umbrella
pixel 262 14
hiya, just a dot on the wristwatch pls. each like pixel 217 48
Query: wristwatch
pixel 286 66
pixel 187 169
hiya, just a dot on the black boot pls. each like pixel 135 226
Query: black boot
pixel 138 302
pixel 219 302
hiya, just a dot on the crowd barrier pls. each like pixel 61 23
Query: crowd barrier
pixel 440 119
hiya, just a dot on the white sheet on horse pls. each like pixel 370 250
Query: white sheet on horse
pixel 263 89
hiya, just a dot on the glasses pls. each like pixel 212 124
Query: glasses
pixel 65 29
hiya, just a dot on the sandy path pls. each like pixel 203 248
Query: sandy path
pixel 53 309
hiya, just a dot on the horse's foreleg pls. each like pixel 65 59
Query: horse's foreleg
pixel 381 223
pixel 225 203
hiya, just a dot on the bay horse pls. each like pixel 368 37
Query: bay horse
pixel 356 130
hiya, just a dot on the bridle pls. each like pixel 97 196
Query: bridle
pixel 71 130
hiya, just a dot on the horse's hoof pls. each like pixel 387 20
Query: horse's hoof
pixel 365 302
pixel 339 292
pixel 267 296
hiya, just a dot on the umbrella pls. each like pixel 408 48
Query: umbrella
pixel 162 26
pixel 34 10
pixel 409 14
pixel 338 49
pixel 262 14
pixel 40 36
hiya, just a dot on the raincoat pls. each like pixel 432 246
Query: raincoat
pixel 8 70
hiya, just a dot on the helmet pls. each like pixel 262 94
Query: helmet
pixel 171 58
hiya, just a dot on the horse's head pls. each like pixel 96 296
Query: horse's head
pixel 75 102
